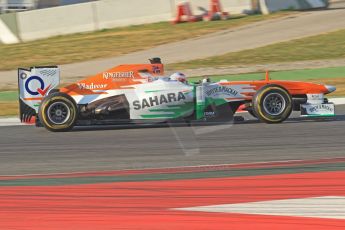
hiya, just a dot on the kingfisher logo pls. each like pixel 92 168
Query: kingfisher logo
pixel 114 75
pixel 35 86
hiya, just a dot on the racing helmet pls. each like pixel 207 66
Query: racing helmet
pixel 178 77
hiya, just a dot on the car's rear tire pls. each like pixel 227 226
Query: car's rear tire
pixel 58 112
pixel 53 91
pixel 272 104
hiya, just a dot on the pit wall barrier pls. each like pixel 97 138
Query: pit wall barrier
pixel 9 33
pixel 44 23
pixel 98 15
pixel 104 14
pixel 269 6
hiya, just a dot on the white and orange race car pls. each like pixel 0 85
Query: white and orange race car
pixel 139 93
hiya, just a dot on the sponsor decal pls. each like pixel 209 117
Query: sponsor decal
pixel 209 114
pixel 222 90
pixel 318 109
pixel 108 75
pixel 41 90
pixel 91 86
pixel 315 96
pixel 158 100
pixel 48 72
pixel 324 107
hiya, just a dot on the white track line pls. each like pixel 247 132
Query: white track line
pixel 10 121
pixel 331 207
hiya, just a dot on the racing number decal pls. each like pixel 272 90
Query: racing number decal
pixel 40 90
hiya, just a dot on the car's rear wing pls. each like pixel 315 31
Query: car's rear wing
pixel 34 84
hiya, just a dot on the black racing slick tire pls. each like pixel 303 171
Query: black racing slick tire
pixel 53 91
pixel 272 104
pixel 58 112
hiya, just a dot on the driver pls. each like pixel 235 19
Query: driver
pixel 178 77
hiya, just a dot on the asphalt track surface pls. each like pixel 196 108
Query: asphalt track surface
pixel 31 150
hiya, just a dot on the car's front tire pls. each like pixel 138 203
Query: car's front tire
pixel 272 104
pixel 58 112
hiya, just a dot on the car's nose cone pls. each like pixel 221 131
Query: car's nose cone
pixel 330 88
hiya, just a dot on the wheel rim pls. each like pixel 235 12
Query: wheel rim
pixel 274 104
pixel 58 113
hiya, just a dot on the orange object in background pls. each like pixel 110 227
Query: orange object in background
pixel 184 14
pixel 216 12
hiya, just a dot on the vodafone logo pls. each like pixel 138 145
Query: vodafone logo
pixel 31 86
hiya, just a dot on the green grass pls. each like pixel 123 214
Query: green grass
pixel 9 96
pixel 324 46
pixel 9 103
pixel 113 42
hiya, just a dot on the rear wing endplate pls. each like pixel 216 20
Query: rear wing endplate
pixel 34 84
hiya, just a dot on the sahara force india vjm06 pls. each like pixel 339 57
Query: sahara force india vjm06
pixel 139 93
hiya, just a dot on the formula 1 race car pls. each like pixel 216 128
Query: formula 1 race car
pixel 139 93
